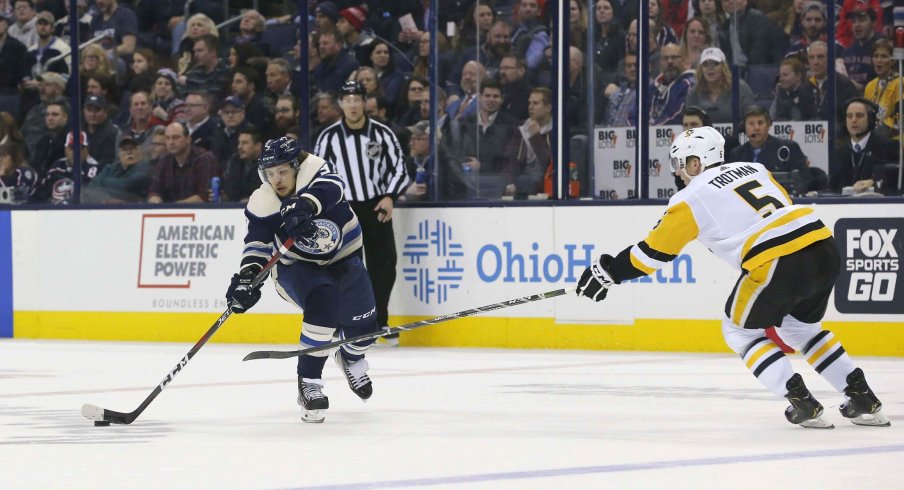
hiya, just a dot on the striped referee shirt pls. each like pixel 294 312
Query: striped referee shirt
pixel 368 159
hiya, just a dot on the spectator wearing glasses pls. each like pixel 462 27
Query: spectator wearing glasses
pixel 233 119
pixel 287 113
pixel 200 124
pixel 184 173
pixel 671 88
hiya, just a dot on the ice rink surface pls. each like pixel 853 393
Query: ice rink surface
pixel 439 418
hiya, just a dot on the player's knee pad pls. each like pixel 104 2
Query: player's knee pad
pixel 315 336
pixel 739 338
pixel 797 333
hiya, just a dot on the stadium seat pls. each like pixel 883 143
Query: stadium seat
pixel 10 104
pixel 761 79
pixel 281 38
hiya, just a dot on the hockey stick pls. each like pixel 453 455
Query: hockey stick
pixel 275 354
pixel 102 416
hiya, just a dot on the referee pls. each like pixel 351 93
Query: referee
pixel 369 159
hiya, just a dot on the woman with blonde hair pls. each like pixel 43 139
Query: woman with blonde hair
pixel 197 25
pixel 712 92
pixel 94 60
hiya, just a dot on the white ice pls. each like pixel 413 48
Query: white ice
pixel 439 418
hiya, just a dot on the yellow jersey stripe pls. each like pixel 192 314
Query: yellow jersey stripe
pixel 787 248
pixel 746 291
pixel 788 218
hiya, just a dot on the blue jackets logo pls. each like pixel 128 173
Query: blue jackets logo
pixel 326 241
pixel 431 280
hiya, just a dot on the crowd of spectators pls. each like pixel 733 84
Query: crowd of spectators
pixel 171 100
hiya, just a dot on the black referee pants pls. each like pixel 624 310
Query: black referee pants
pixel 379 255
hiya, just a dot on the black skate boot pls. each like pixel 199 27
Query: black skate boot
pixel 312 400
pixel 862 406
pixel 804 411
pixel 356 374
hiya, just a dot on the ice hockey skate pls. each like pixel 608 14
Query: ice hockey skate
pixel 804 411
pixel 312 400
pixel 356 375
pixel 862 406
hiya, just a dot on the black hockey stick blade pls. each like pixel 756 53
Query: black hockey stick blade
pixel 98 414
pixel 275 354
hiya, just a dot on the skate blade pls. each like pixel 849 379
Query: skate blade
pixel 817 423
pixel 877 419
pixel 313 416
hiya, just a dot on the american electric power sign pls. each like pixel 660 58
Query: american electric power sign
pixel 434 261
pixel 871 279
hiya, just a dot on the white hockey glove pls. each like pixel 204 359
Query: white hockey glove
pixel 596 279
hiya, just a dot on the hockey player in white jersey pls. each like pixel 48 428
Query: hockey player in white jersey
pixel 788 261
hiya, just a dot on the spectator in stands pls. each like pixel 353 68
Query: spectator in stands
pixel 622 108
pixel 326 14
pixel 233 118
pixel 408 110
pixel 58 185
pixel 24 28
pixel 420 164
pixel 102 134
pixel 13 58
pixel 34 126
pixel 157 147
pixel 465 104
pixel 696 37
pixel 776 154
pixel 166 104
pixel 9 129
pixel 61 27
pixel 711 11
pixel 240 54
pixel 475 25
pixel 885 89
pixel 335 64
pixel 245 82
pixel 860 161
pixel 48 46
pixel 712 93
pixel 695 117
pixel 844 28
pixel 200 124
pixel 391 77
pixel 788 17
pixel 795 99
pixel 516 87
pixel 609 46
pixel 126 180
pixel 498 44
pixel 104 87
pixel 531 36
pixel 279 80
pixel 184 174
pixel 198 25
pixel 858 58
pixel 15 174
pixel 209 74
pixel 422 67
pixel 142 71
pixel 442 120
pixel 240 178
pixel 488 139
pixel 671 88
pixel 577 22
pixel 664 32
pixel 817 59
pixel 140 121
pixel 50 145
pixel 251 30
pixel 755 41
pixel 369 79
pixel 534 152
pixel 119 24
pixel 578 95
pixel 813 29
pixel 287 113
pixel 351 21
pixel 94 61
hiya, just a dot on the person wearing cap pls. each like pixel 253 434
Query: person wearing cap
pixel 125 180
pixel 351 21
pixel 50 88
pixel 419 164
pixel 118 23
pixel 58 185
pixel 102 134
pixel 844 28
pixel 671 87
pixel 369 158
pixel 48 46
pixel 245 85
pixel 61 28
pixel 13 57
pixel 326 14
pixel 233 118
pixel 183 174
pixel 858 57
pixel 50 145
pixel 24 27
pixel 164 98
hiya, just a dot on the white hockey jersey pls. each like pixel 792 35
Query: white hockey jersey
pixel 738 211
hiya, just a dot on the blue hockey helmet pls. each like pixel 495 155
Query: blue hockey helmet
pixel 277 152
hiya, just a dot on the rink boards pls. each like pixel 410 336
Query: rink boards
pixel 161 275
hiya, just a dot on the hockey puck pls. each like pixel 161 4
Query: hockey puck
pixel 101 423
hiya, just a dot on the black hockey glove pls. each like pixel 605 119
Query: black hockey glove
pixel 596 279
pixel 297 213
pixel 240 295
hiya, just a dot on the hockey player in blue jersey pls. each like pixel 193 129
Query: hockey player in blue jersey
pixel 323 274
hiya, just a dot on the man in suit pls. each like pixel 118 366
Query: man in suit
pixel 776 154
pixel 861 162
pixel 466 103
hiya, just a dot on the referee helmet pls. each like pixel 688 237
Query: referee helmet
pixel 352 87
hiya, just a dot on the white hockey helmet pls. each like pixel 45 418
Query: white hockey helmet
pixel 705 143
